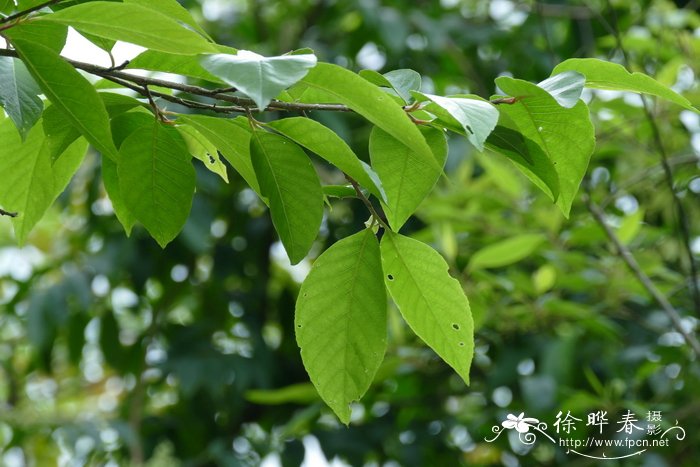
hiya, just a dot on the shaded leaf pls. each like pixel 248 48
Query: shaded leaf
pixel 341 322
pixel 326 143
pixel 69 92
pixel 404 81
pixel 19 94
pixel 289 182
pixel 406 177
pixel 429 299
pixel 506 139
pixel 110 179
pixel 157 180
pixel 565 135
pixel 260 78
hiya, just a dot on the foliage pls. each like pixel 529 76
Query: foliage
pixel 174 341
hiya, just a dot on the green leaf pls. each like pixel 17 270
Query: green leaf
pixel 565 87
pixel 60 132
pixel 477 117
pixel 506 252
pixel 231 140
pixel 401 81
pixel 30 183
pixel 289 181
pixel 260 78
pixel 605 75
pixel 69 92
pixel 406 177
pixel 7 6
pixel 341 321
pixel 326 143
pixel 117 104
pixel 125 124
pixel 132 23
pixel 544 278
pixel 110 179
pixel 105 44
pixel 339 191
pixel 157 180
pixel 300 393
pixel 404 81
pixel 185 65
pixel 203 150
pixel 506 139
pixel 429 299
pixel 565 135
pixel 174 10
pixel 334 84
pixel 19 95
pixel 630 226
pixel 49 35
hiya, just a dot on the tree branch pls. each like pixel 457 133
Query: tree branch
pixel 683 218
pixel 22 13
pixel 643 279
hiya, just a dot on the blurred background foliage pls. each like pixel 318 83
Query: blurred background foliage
pixel 115 352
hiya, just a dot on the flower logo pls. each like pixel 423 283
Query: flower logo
pixel 521 423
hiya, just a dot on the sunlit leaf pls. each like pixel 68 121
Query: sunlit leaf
pixel 429 299
pixel 132 23
pixel 30 182
pixel 606 75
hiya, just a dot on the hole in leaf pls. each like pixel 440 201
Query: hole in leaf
pixel 298 325
pixel 390 277
pixel 461 344
pixel 455 326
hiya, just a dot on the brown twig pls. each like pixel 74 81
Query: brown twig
pixel 641 276
pixel 367 203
